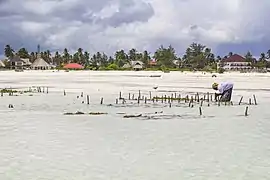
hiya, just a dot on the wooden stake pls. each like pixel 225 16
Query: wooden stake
pixel 200 110
pixel 116 101
pixel 246 111
pixel 249 101
pixel 145 100
pixel 240 100
pixel 64 93
pixel 128 96
pixel 101 101
pixel 255 100
pixel 170 105
pixel 47 90
pixel 88 99
pixel 82 94
pixel 150 95
pixel 120 95
pixel 139 94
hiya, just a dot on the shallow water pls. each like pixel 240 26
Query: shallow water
pixel 39 142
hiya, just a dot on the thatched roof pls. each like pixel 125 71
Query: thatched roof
pixel 39 62
pixel 138 66
pixel 127 65
pixel 26 61
pixel 2 64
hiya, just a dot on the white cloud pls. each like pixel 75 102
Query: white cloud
pixel 107 25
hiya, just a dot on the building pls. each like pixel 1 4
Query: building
pixel 2 64
pixel 26 63
pixel 16 63
pixel 135 65
pixel 234 63
pixel 40 64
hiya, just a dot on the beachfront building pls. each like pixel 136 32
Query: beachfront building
pixel 40 64
pixel 234 63
pixel 16 63
pixel 135 65
pixel 2 64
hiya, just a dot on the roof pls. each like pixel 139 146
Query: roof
pixel 234 58
pixel 127 65
pixel 137 66
pixel 2 63
pixel 39 62
pixel 26 61
pixel 133 63
pixel 73 66
pixel 16 59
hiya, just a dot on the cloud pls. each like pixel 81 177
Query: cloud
pixel 109 25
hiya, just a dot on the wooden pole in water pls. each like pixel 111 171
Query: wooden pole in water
pixel 200 110
pixel 240 100
pixel 165 98
pixel 133 97
pixel 150 95
pixel 47 90
pixel 138 100
pixel 179 98
pixel 170 105
pixel 201 103
pixel 101 100
pixel 116 101
pixel 255 101
pixel 82 94
pixel 88 99
pixel 128 96
pixel 43 89
pixel 198 97
pixel 189 104
pixel 162 99
pixel 139 94
pixel 145 100
pixel 156 98
pixel 64 93
pixel 120 95
pixel 249 101
pixel 207 96
pixel 246 111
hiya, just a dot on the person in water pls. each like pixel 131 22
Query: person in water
pixel 224 91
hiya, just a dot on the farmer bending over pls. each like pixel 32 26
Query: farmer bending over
pixel 224 91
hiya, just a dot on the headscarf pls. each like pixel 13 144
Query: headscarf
pixel 215 85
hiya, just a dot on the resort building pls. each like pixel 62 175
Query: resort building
pixel 234 63
pixel 40 64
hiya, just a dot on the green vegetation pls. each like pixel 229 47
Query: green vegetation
pixel 197 57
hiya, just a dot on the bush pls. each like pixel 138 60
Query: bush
pixel 221 70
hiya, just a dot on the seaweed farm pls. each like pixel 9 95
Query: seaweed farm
pixel 132 125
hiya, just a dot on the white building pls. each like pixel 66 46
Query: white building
pixel 234 63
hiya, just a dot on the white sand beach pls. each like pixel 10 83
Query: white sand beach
pixel 39 142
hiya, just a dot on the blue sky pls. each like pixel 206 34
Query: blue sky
pixel 109 25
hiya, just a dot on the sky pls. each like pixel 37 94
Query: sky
pixel 109 25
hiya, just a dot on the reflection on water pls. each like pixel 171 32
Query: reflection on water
pixel 39 142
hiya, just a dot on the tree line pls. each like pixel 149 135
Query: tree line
pixel 196 56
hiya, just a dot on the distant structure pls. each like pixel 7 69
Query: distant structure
pixel 234 63
pixel 40 63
